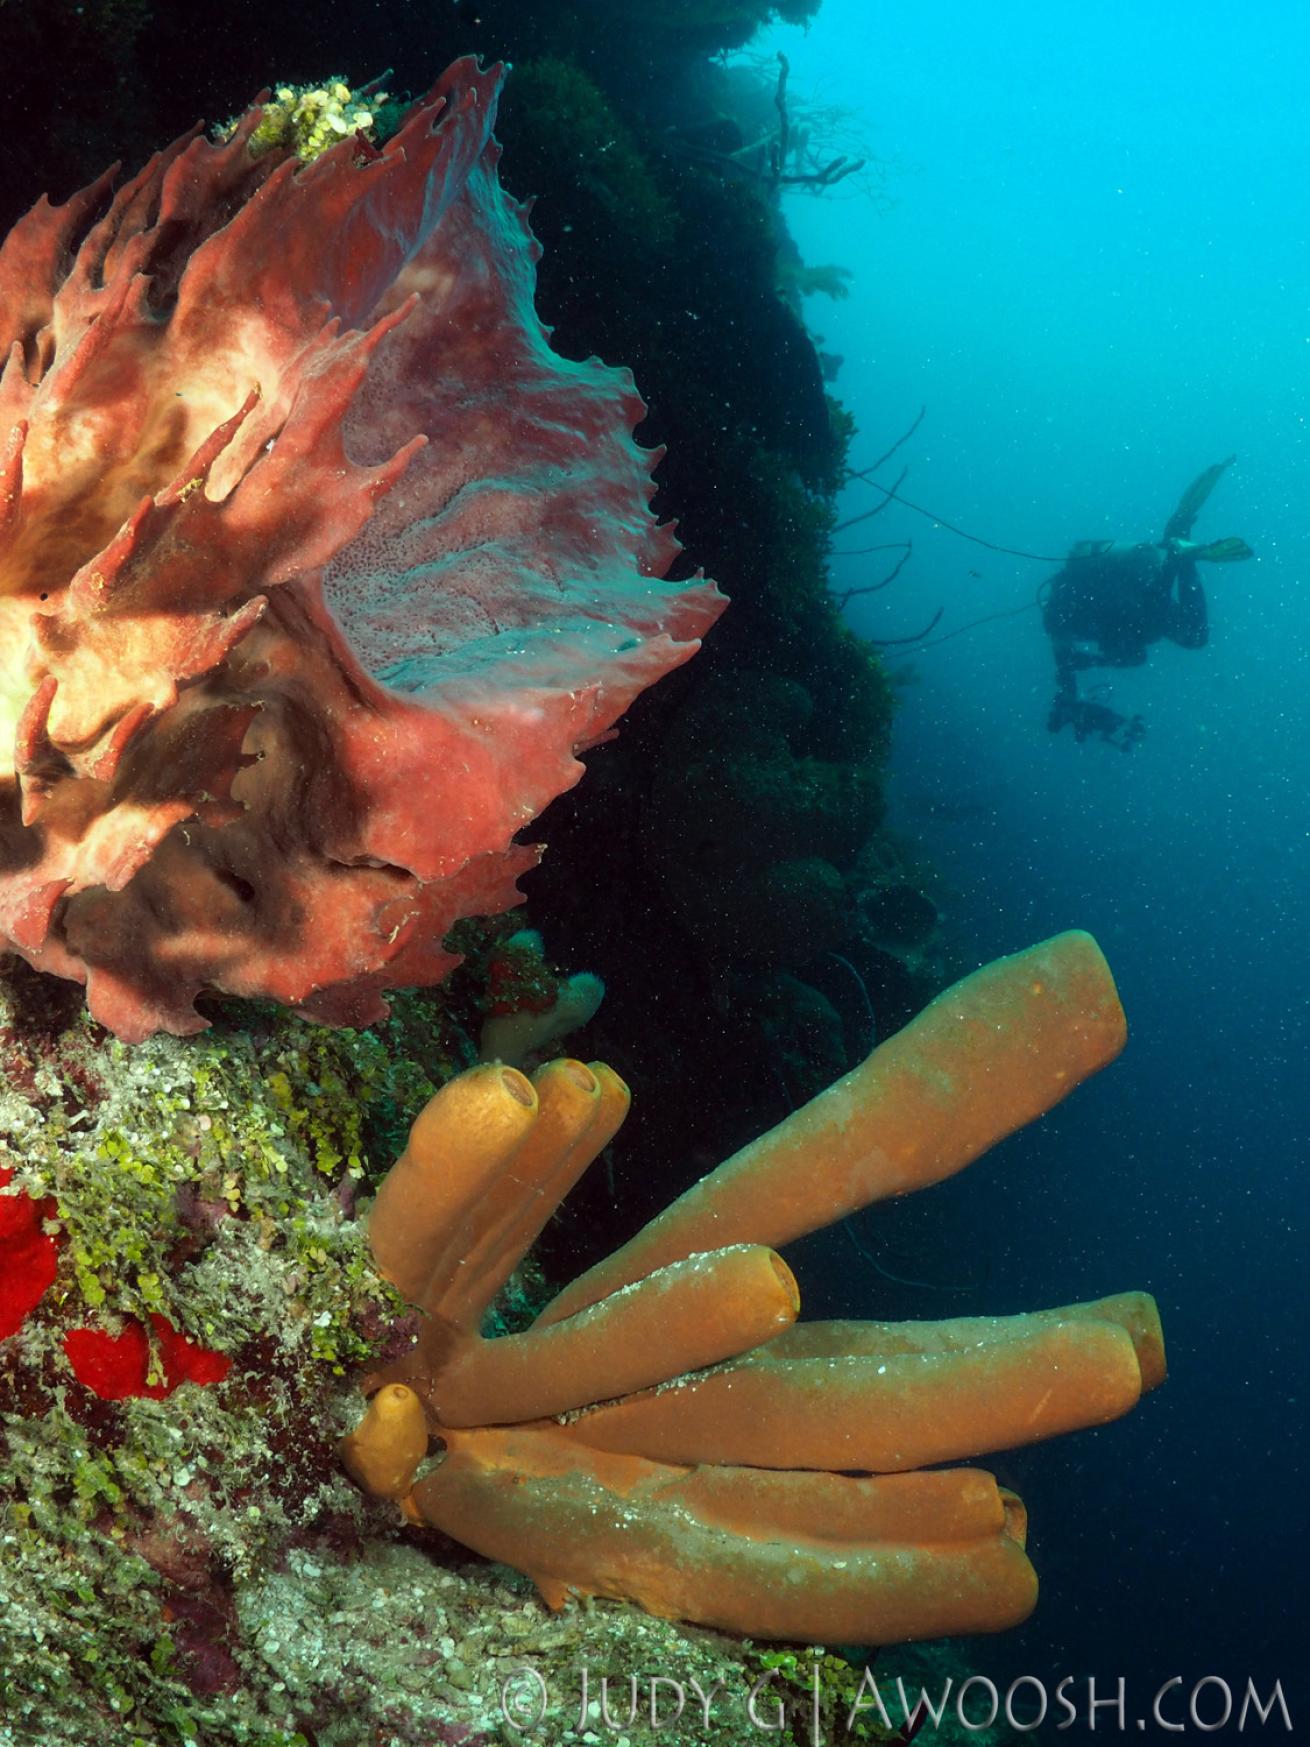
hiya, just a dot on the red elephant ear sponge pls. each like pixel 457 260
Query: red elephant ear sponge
pixel 318 567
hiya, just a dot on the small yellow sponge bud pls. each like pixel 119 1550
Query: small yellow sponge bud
pixel 383 1452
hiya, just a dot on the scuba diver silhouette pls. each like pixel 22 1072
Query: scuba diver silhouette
pixel 1114 598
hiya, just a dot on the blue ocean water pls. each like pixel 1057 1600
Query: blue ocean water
pixel 1095 276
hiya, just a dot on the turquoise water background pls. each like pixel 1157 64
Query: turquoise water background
pixel 1095 275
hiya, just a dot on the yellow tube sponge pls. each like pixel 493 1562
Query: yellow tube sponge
pixel 667 1432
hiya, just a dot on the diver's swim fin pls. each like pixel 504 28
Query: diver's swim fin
pixel 1229 551
pixel 1179 525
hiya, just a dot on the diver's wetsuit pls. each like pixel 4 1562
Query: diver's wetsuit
pixel 1111 601
pixel 1119 599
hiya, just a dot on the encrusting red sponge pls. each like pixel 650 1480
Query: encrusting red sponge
pixel 118 1366
pixel 28 1255
pixel 113 1366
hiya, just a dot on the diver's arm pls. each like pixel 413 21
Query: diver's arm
pixel 1188 623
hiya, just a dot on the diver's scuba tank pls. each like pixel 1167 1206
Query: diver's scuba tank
pixel 1094 564
pixel 1142 558
pixel 1084 549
